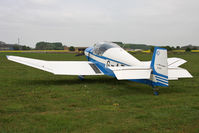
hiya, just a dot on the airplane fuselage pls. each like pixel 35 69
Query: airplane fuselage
pixel 105 55
pixel 113 56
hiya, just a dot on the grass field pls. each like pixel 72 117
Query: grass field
pixel 36 101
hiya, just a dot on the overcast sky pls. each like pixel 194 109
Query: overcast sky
pixel 84 22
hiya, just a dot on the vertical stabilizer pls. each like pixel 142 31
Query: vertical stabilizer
pixel 159 66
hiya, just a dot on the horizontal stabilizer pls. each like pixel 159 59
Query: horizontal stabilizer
pixel 175 62
pixel 175 73
pixel 125 73
pixel 172 62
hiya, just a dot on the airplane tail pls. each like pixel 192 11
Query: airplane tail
pixel 159 66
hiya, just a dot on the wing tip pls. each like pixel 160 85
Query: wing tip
pixel 8 56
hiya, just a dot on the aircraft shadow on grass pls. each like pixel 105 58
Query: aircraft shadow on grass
pixel 125 87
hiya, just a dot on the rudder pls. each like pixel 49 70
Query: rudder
pixel 159 66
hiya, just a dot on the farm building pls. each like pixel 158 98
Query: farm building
pixel 4 46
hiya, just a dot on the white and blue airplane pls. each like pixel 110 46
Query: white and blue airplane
pixel 106 58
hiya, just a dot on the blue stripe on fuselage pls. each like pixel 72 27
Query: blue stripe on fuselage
pixel 100 65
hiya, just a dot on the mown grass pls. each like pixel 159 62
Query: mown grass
pixel 36 101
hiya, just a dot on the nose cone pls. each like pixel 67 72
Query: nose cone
pixel 89 49
pixel 123 56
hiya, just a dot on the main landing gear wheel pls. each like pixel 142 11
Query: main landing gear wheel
pixel 81 77
pixel 155 91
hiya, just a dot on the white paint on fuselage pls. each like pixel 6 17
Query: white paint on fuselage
pixel 123 56
pixel 107 62
pixel 116 57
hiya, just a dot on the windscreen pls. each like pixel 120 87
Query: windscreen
pixel 100 48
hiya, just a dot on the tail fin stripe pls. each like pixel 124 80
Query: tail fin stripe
pixel 161 84
pixel 162 81
pixel 155 73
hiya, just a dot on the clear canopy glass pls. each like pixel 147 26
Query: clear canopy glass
pixel 100 48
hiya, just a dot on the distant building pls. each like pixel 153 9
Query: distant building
pixel 4 46
pixel 191 47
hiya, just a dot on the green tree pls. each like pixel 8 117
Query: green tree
pixel 49 46
pixel 25 48
pixel 188 49
pixel 172 47
pixel 152 48
pixel 71 48
pixel 168 48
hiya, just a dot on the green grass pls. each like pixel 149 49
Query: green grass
pixel 36 101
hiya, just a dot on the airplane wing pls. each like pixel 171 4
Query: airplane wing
pixel 60 67
pixel 125 73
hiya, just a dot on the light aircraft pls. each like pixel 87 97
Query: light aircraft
pixel 106 58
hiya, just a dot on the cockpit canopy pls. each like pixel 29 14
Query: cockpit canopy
pixel 100 48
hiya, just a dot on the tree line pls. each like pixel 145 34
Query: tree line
pixel 49 46
pixel 43 46
pixel 20 47
pixel 187 49
pixel 40 46
pixel 59 46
